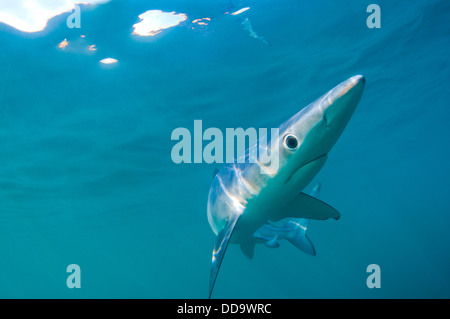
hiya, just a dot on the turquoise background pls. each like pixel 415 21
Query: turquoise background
pixel 86 175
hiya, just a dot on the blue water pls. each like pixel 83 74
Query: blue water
pixel 86 175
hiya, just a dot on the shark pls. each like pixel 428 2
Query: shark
pixel 250 203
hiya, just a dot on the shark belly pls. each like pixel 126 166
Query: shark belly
pixel 273 202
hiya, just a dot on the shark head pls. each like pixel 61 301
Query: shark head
pixel 307 137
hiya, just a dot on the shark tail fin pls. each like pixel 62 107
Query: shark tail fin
pixel 301 240
pixel 223 238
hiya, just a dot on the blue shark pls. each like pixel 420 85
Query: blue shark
pixel 248 200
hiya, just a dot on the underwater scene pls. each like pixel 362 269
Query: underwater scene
pixel 123 175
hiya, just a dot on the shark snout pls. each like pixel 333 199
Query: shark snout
pixel 320 124
pixel 339 104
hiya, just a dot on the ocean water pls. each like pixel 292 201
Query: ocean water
pixel 86 175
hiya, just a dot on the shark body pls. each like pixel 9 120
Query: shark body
pixel 290 229
pixel 247 207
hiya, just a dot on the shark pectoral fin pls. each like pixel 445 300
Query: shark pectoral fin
pixel 305 206
pixel 223 238
pixel 248 249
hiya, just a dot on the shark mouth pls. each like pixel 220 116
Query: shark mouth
pixel 304 164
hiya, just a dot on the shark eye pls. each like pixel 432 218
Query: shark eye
pixel 290 142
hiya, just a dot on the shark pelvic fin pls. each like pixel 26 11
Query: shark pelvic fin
pixel 305 206
pixel 223 238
